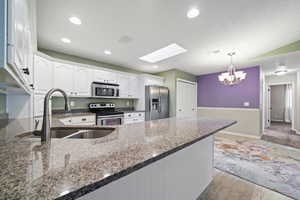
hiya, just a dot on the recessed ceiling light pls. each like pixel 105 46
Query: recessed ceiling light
pixel 163 53
pixel 66 40
pixel 75 20
pixel 107 52
pixel 155 66
pixel 192 13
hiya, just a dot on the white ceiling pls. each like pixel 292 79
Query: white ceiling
pixel 250 28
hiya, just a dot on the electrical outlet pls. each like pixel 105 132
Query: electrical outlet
pixel 246 104
pixel 127 103
pixel 72 103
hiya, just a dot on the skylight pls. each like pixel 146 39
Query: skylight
pixel 163 53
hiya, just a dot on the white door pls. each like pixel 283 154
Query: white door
pixel 186 99
pixel 43 75
pixel 64 77
pixel 82 81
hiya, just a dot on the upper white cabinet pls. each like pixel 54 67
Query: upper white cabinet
pixel 104 76
pixel 124 83
pixel 76 79
pixel 82 81
pixel 43 75
pixel 19 39
pixel 133 86
pixel 128 86
pixel 64 77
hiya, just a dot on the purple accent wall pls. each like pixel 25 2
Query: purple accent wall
pixel 212 93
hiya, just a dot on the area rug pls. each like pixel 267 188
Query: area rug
pixel 273 166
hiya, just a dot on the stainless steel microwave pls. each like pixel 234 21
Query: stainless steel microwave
pixel 105 89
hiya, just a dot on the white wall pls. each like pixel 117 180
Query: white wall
pixel 248 120
pixel 288 78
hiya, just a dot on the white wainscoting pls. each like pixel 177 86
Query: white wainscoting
pixel 248 120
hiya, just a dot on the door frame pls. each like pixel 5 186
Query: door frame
pixel 184 81
pixel 268 106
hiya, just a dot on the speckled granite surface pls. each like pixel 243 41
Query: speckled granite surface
pixel 70 168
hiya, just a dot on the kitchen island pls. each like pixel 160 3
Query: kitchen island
pixel 161 159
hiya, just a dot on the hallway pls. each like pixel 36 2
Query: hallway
pixel 281 133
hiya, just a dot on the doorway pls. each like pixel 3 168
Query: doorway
pixel 186 98
pixel 280 114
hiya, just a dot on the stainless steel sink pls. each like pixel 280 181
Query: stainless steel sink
pixel 73 132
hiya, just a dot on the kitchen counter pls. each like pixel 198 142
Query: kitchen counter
pixel 71 168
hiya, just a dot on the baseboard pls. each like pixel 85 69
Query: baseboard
pixel 297 132
pixel 240 134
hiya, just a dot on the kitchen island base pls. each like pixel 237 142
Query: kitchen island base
pixel 183 174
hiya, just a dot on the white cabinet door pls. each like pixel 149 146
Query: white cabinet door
pixel 103 76
pixel 19 38
pixel 43 75
pixel 124 83
pixel 38 104
pixel 133 87
pixel 82 81
pixel 64 77
pixel 154 81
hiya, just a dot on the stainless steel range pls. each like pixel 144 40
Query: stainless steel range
pixel 106 114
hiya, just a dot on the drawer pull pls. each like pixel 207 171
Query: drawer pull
pixel 83 119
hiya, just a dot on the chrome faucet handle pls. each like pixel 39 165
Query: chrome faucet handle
pixel 36 124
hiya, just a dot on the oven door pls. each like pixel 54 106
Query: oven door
pixel 110 120
pixel 105 92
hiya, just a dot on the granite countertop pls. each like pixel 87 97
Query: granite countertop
pixel 70 168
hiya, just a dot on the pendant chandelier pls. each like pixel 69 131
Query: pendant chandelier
pixel 232 77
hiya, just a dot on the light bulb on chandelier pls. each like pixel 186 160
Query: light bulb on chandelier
pixel 232 77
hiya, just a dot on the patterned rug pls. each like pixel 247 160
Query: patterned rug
pixel 270 165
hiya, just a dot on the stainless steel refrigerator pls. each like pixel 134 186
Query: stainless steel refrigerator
pixel 157 102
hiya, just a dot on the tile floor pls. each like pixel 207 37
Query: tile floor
pixel 281 133
pixel 228 187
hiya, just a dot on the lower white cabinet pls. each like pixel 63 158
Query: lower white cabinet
pixel 85 120
pixel 130 118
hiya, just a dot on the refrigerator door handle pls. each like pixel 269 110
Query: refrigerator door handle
pixel 159 104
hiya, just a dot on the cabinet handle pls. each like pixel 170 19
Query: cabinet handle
pixel 36 124
pixel 83 119
pixel 26 70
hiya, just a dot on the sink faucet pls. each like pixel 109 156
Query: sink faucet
pixel 45 133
